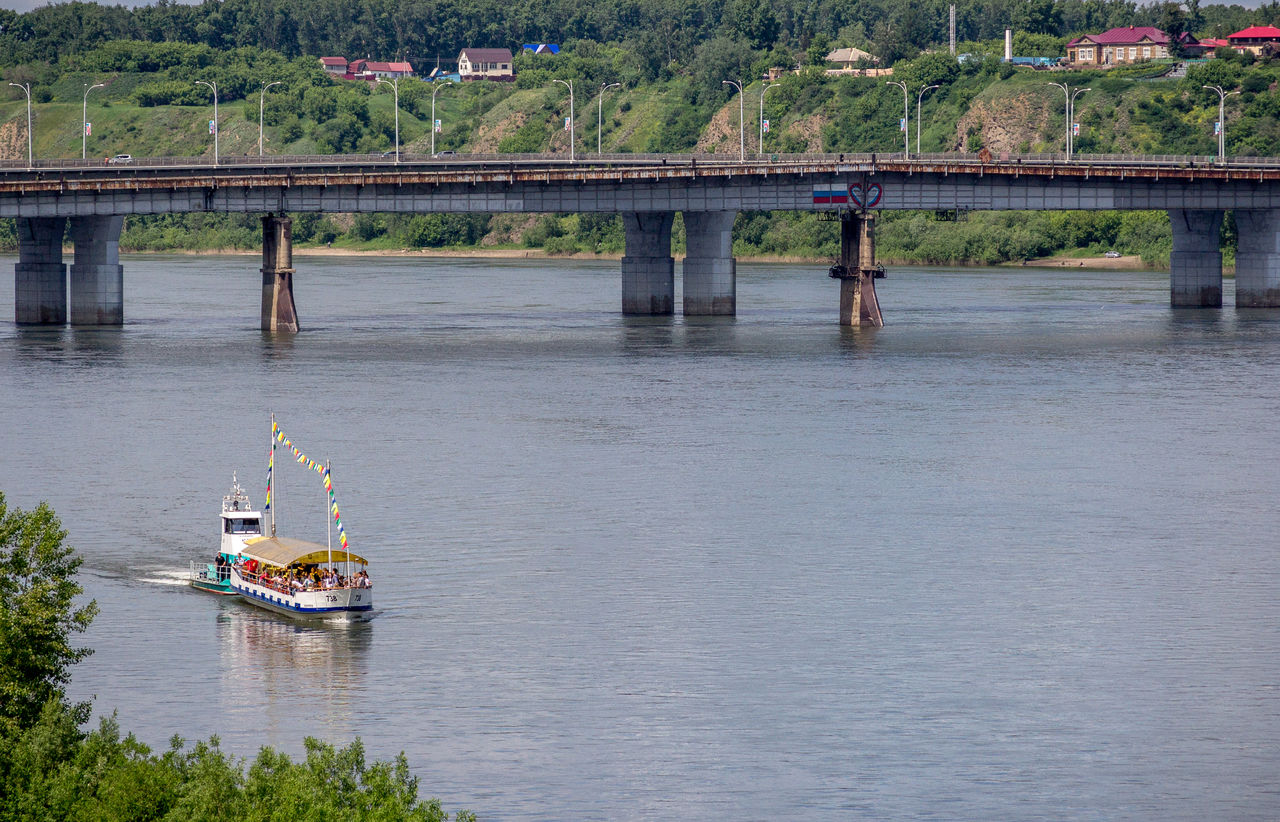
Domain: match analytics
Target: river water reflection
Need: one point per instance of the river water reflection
(1011, 557)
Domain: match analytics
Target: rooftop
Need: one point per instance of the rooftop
(1256, 33)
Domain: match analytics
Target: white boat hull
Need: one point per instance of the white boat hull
(318, 604)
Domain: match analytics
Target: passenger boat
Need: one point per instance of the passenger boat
(279, 574)
(302, 579)
(239, 523)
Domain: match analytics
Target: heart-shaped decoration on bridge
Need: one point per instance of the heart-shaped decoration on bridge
(865, 196)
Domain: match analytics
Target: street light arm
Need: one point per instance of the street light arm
(572, 126)
(906, 135)
(84, 118)
(763, 91)
(600, 114)
(26, 89)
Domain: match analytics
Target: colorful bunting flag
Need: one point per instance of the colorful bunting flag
(311, 465)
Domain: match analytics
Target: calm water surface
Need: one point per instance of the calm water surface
(1012, 557)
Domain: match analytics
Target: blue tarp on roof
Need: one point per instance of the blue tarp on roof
(541, 48)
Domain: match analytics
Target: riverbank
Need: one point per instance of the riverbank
(1131, 262)
(476, 252)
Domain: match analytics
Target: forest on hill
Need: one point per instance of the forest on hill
(671, 57)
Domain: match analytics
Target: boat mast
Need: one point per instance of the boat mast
(329, 514)
(272, 471)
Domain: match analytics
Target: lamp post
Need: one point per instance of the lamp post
(26, 88)
(1071, 98)
(569, 85)
(262, 99)
(1072, 117)
(84, 120)
(1221, 119)
(762, 91)
(600, 112)
(742, 138)
(394, 82)
(906, 135)
(920, 97)
(214, 86)
(435, 88)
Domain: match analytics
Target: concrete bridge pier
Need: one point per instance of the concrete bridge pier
(40, 277)
(648, 271)
(278, 311)
(1195, 264)
(710, 271)
(97, 278)
(857, 270)
(1258, 259)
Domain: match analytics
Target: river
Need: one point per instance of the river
(1013, 556)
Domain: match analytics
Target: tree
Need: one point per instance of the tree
(38, 615)
(1173, 22)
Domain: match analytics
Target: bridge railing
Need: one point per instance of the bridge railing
(594, 160)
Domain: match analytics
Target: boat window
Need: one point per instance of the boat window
(241, 526)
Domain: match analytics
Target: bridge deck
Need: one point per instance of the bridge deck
(188, 173)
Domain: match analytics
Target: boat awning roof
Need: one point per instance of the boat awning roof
(284, 551)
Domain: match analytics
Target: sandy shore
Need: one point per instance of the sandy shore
(1126, 263)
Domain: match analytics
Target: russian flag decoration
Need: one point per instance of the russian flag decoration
(832, 194)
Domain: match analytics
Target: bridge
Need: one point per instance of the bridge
(92, 200)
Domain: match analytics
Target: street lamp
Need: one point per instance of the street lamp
(762, 91)
(742, 137)
(1071, 99)
(569, 85)
(600, 112)
(395, 88)
(920, 97)
(436, 86)
(214, 86)
(1072, 129)
(1221, 119)
(26, 88)
(84, 119)
(906, 135)
(262, 99)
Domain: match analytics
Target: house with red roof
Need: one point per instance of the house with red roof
(334, 65)
(1126, 44)
(367, 70)
(1256, 39)
(371, 70)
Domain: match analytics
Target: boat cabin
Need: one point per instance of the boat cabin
(239, 521)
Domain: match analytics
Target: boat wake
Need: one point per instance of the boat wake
(166, 577)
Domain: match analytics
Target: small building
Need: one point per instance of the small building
(334, 65)
(1256, 40)
(1126, 44)
(541, 48)
(371, 70)
(850, 57)
(485, 64)
(1206, 46)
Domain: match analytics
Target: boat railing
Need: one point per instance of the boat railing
(266, 582)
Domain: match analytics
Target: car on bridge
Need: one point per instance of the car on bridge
(120, 160)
